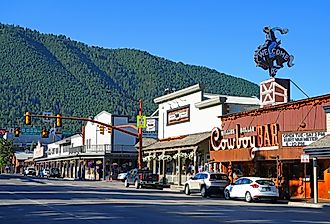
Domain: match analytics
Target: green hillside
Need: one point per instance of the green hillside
(45, 72)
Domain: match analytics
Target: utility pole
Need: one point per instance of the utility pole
(140, 139)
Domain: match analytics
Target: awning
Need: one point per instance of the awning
(319, 148)
(187, 142)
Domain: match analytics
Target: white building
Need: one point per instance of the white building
(96, 149)
(190, 111)
(186, 118)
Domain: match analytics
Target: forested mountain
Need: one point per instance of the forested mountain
(46, 72)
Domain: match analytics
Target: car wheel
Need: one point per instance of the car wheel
(203, 192)
(274, 200)
(187, 190)
(227, 195)
(126, 183)
(248, 197)
(137, 184)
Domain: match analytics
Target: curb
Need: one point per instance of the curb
(305, 205)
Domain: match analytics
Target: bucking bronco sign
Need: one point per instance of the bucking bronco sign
(271, 52)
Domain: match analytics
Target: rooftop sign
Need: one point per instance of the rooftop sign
(270, 56)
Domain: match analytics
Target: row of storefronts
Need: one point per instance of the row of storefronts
(240, 136)
(98, 153)
(269, 142)
(265, 138)
(186, 118)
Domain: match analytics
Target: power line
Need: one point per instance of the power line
(299, 88)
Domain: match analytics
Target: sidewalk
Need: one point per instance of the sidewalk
(294, 202)
(309, 203)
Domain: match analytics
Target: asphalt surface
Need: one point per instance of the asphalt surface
(32, 200)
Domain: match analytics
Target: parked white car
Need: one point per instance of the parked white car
(206, 183)
(252, 188)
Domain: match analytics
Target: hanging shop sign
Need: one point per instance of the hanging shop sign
(263, 136)
(300, 138)
(151, 125)
(151, 131)
(178, 115)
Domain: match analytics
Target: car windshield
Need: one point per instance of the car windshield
(218, 176)
(265, 182)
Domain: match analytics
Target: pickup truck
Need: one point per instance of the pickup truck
(142, 178)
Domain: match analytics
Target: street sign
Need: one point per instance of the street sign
(141, 121)
(304, 158)
(30, 131)
(47, 120)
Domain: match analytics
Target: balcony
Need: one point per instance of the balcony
(102, 149)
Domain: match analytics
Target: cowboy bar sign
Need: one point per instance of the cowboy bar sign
(270, 56)
(265, 136)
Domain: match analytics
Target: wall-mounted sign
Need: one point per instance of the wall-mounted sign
(304, 158)
(300, 138)
(271, 52)
(47, 120)
(264, 136)
(178, 115)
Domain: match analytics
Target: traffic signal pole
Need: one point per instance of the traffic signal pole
(90, 120)
(120, 128)
(140, 138)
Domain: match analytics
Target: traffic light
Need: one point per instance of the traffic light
(44, 133)
(226, 108)
(27, 118)
(58, 122)
(102, 130)
(17, 131)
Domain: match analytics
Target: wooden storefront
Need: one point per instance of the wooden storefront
(269, 142)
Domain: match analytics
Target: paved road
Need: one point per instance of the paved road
(30, 200)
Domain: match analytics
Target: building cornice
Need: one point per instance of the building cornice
(210, 102)
(177, 94)
(285, 106)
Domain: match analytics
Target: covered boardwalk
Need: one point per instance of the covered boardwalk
(178, 158)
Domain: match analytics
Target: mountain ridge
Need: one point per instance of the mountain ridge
(47, 72)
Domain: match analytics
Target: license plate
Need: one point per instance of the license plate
(266, 189)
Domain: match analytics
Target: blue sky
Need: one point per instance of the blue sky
(217, 34)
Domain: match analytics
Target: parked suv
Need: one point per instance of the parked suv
(206, 183)
(143, 178)
(54, 172)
